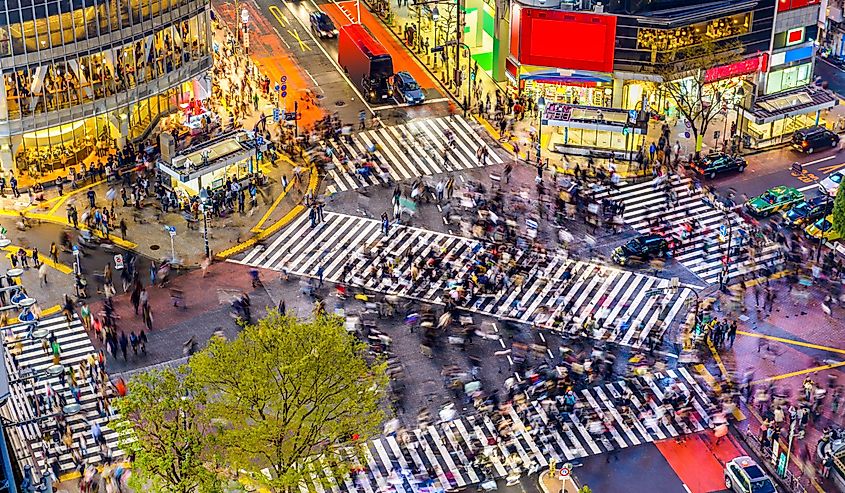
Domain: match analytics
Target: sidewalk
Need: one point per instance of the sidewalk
(145, 226)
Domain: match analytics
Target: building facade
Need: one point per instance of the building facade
(81, 77)
(602, 57)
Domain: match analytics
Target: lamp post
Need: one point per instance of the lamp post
(825, 228)
(203, 206)
(740, 95)
(541, 105)
(435, 16)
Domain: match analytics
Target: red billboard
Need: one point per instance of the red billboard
(784, 5)
(566, 40)
(759, 63)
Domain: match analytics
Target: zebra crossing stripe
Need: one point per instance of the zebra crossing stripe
(27, 439)
(344, 244)
(643, 203)
(408, 151)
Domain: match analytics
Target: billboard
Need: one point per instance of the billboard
(560, 39)
(785, 5)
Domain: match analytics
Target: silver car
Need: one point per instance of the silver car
(743, 475)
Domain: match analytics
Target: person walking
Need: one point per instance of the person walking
(122, 226)
(42, 275)
(54, 252)
(124, 344)
(385, 223)
(732, 333)
(36, 258)
(148, 316)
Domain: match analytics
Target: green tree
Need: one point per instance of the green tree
(290, 394)
(163, 424)
(683, 72)
(839, 211)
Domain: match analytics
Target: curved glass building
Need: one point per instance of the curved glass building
(81, 77)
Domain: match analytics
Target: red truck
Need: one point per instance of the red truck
(366, 62)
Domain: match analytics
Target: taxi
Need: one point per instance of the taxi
(774, 200)
(823, 229)
(743, 475)
(807, 212)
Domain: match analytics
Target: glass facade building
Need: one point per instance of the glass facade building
(81, 77)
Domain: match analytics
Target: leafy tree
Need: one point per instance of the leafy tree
(839, 211)
(291, 394)
(683, 72)
(163, 425)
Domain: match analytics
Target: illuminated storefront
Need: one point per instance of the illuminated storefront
(80, 81)
(588, 130)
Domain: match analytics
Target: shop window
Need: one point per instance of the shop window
(660, 40)
(788, 78)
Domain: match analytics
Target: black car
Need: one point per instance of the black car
(812, 138)
(322, 25)
(717, 163)
(641, 249)
(807, 212)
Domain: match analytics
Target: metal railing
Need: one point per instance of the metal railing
(788, 480)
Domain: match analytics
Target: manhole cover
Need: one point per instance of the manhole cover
(154, 247)
(340, 103)
(320, 96)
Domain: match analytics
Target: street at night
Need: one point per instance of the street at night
(422, 246)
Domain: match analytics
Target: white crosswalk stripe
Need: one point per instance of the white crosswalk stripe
(408, 151)
(645, 206)
(22, 407)
(539, 431)
(629, 306)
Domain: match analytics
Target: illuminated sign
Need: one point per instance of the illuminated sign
(784, 5)
(546, 38)
(795, 36)
(743, 67)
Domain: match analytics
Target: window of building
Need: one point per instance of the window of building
(659, 40)
(788, 78)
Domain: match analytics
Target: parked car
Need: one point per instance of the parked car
(830, 185)
(718, 163)
(322, 25)
(823, 229)
(813, 138)
(774, 200)
(407, 88)
(807, 211)
(641, 249)
(743, 475)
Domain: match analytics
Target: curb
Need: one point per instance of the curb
(63, 222)
(313, 183)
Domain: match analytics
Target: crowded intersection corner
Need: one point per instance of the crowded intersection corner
(422, 246)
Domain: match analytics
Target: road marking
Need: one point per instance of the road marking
(302, 45)
(686, 488)
(808, 187)
(711, 381)
(820, 160)
(799, 372)
(332, 60)
(792, 342)
(831, 168)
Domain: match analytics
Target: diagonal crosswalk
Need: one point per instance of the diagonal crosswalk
(645, 205)
(627, 307)
(408, 151)
(471, 449)
(21, 408)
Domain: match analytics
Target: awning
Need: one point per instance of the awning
(798, 101)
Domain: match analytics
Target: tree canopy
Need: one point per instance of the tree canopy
(163, 425)
(839, 211)
(683, 72)
(290, 394)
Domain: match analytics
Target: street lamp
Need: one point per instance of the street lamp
(203, 207)
(541, 105)
(435, 16)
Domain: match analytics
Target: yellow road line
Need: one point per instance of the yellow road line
(257, 228)
(711, 381)
(64, 269)
(284, 221)
(792, 342)
(798, 373)
(761, 280)
(49, 311)
(718, 358)
(64, 222)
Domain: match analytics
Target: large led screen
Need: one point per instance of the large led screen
(566, 40)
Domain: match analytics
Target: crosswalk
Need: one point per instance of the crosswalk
(26, 435)
(470, 449)
(644, 205)
(627, 307)
(408, 151)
